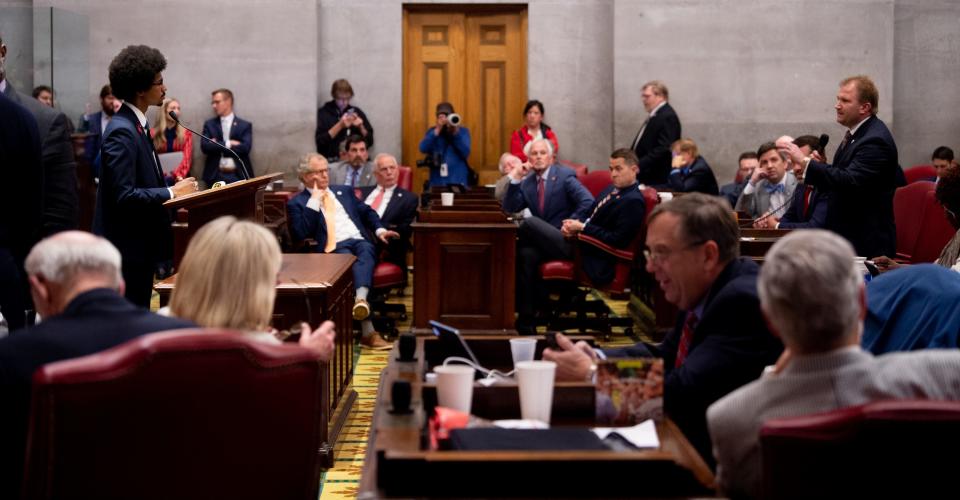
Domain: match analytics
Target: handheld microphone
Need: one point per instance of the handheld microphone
(243, 166)
(822, 145)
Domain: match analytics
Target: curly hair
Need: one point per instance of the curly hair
(134, 69)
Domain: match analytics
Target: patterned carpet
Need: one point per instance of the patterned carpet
(342, 481)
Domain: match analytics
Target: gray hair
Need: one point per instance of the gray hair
(529, 145)
(304, 166)
(376, 159)
(503, 160)
(809, 289)
(704, 218)
(62, 256)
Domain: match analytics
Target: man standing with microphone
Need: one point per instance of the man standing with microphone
(130, 197)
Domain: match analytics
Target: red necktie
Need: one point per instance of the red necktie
(541, 188)
(806, 200)
(688, 326)
(378, 200)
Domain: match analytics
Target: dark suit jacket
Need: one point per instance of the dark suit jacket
(397, 216)
(565, 197)
(616, 223)
(731, 346)
(308, 223)
(242, 131)
(861, 183)
(698, 178)
(61, 203)
(93, 321)
(653, 149)
(130, 197)
(731, 192)
(814, 217)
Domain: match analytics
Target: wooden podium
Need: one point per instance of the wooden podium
(241, 199)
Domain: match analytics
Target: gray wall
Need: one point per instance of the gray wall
(739, 73)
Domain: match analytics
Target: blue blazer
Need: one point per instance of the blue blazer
(307, 223)
(565, 197)
(129, 210)
(93, 321)
(242, 131)
(616, 223)
(697, 178)
(814, 217)
(731, 345)
(861, 183)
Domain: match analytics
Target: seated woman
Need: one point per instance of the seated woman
(228, 278)
(534, 128)
(690, 171)
(169, 138)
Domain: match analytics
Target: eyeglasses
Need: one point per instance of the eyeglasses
(661, 254)
(160, 82)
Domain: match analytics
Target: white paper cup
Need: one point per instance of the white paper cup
(522, 349)
(535, 379)
(446, 199)
(665, 196)
(455, 386)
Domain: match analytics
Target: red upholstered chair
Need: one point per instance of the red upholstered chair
(935, 231)
(887, 449)
(595, 181)
(190, 414)
(920, 173)
(579, 168)
(569, 274)
(909, 205)
(405, 178)
(387, 277)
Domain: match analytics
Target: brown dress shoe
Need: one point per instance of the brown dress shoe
(361, 310)
(376, 342)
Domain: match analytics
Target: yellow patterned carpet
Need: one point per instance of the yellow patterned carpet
(342, 481)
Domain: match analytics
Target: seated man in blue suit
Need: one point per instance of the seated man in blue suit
(552, 193)
(340, 223)
(129, 210)
(808, 209)
(615, 217)
(231, 132)
(76, 286)
(720, 341)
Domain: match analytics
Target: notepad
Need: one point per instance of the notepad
(642, 435)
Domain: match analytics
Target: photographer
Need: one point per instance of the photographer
(447, 146)
(338, 119)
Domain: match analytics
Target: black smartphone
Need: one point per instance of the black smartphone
(551, 338)
(874, 271)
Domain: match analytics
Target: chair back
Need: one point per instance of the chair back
(595, 181)
(909, 205)
(405, 178)
(629, 258)
(199, 413)
(886, 449)
(935, 231)
(579, 168)
(920, 173)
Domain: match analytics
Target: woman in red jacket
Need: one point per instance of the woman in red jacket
(168, 137)
(534, 128)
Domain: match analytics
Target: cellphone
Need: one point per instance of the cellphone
(551, 338)
(872, 267)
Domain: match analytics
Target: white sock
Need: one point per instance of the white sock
(362, 293)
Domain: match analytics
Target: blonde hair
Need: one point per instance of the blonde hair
(160, 126)
(686, 145)
(228, 276)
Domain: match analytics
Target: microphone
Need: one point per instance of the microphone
(822, 145)
(243, 166)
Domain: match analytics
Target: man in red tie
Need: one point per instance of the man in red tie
(720, 341)
(396, 206)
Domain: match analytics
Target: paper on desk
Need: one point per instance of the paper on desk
(520, 424)
(642, 435)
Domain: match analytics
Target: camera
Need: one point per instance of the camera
(429, 161)
(454, 119)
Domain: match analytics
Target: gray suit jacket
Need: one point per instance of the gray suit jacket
(338, 174)
(813, 384)
(61, 205)
(758, 202)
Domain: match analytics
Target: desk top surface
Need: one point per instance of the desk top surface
(300, 270)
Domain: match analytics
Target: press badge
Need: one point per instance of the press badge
(443, 170)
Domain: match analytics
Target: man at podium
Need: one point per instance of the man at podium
(129, 210)
(340, 223)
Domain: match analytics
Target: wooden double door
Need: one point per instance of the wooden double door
(474, 57)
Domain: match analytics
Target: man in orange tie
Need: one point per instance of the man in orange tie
(720, 340)
(340, 223)
(396, 206)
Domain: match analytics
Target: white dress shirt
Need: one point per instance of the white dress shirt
(343, 226)
(387, 194)
(226, 123)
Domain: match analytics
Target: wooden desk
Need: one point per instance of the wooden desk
(313, 288)
(397, 465)
(464, 270)
(756, 242)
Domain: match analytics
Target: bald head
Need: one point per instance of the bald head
(386, 170)
(67, 264)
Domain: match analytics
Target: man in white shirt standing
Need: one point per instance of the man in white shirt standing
(231, 132)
